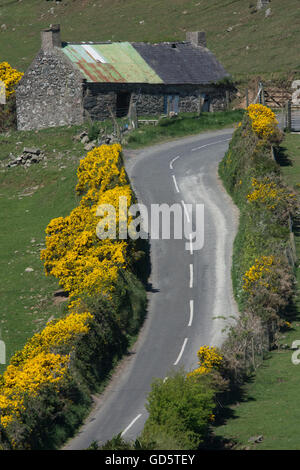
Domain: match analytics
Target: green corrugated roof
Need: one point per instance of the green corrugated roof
(111, 62)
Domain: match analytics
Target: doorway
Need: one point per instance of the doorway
(122, 105)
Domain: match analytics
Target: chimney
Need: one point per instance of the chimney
(51, 37)
(197, 38)
(262, 4)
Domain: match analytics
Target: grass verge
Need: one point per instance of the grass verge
(268, 404)
(183, 125)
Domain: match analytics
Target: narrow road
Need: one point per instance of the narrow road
(189, 287)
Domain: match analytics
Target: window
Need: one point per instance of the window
(171, 103)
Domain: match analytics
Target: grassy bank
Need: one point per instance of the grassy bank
(235, 30)
(181, 126)
(267, 404)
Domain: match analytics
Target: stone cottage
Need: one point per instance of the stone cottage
(67, 82)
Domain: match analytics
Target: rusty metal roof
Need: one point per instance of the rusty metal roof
(117, 62)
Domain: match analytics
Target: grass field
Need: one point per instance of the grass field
(269, 405)
(29, 198)
(244, 40)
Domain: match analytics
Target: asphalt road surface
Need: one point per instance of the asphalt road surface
(189, 286)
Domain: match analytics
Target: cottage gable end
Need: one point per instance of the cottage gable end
(50, 92)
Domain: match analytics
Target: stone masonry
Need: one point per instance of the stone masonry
(50, 94)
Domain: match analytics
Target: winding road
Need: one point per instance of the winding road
(189, 287)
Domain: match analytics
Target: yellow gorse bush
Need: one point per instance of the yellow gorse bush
(84, 264)
(27, 380)
(269, 193)
(40, 364)
(99, 168)
(263, 120)
(74, 254)
(10, 77)
(257, 272)
(57, 335)
(209, 358)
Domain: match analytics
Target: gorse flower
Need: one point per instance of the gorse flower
(74, 254)
(44, 360)
(10, 77)
(209, 359)
(28, 379)
(263, 120)
(272, 195)
(256, 274)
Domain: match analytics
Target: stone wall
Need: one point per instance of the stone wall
(50, 93)
(189, 103)
(149, 99)
(96, 102)
(148, 105)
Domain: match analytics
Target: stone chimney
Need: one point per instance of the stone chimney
(197, 38)
(51, 37)
(262, 4)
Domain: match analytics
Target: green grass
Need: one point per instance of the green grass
(184, 124)
(29, 199)
(254, 46)
(269, 404)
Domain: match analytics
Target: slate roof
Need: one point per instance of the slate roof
(182, 63)
(164, 63)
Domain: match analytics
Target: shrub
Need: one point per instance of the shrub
(74, 254)
(244, 348)
(180, 411)
(51, 379)
(10, 77)
(263, 279)
(209, 359)
(263, 120)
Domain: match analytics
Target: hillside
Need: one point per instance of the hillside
(243, 39)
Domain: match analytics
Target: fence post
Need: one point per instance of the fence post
(200, 104)
(168, 106)
(227, 99)
(132, 115)
(289, 116)
(261, 93)
(253, 353)
(116, 125)
(273, 156)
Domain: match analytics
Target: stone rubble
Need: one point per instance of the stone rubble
(27, 158)
(90, 144)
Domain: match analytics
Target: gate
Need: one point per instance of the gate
(291, 117)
